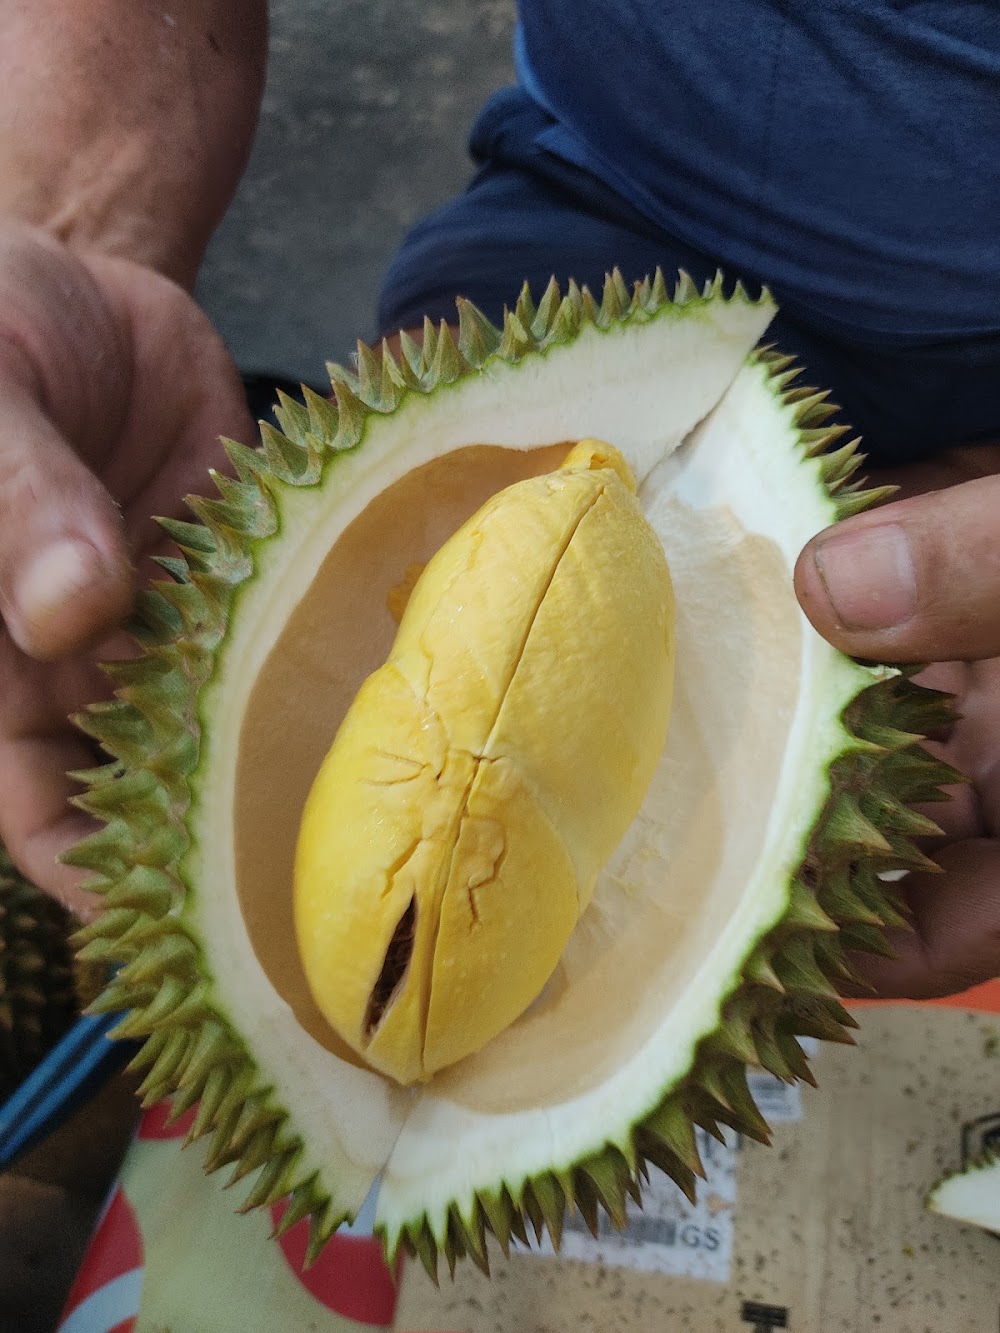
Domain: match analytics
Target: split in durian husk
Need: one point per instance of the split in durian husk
(717, 931)
(971, 1195)
(41, 987)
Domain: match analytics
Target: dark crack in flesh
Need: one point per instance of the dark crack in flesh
(397, 960)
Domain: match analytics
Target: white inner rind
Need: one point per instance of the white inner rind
(736, 496)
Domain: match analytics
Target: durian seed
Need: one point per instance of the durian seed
(397, 960)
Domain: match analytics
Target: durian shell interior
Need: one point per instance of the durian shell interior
(679, 874)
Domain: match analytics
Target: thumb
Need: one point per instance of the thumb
(914, 581)
(65, 576)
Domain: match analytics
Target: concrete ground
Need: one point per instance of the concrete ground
(363, 130)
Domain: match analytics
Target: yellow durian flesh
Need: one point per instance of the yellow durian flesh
(486, 772)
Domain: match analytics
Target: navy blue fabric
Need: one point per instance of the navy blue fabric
(886, 261)
(846, 151)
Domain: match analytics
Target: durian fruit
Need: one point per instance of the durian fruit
(39, 991)
(971, 1195)
(456, 829)
(716, 932)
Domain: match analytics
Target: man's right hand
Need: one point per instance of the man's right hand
(114, 391)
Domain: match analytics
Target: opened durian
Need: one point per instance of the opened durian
(717, 876)
(971, 1195)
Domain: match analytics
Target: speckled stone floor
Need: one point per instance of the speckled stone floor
(363, 130)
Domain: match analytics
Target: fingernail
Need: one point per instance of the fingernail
(869, 577)
(50, 582)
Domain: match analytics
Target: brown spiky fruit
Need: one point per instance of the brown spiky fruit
(42, 987)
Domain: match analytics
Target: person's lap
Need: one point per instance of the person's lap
(520, 223)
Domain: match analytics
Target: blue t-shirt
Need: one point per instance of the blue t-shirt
(845, 151)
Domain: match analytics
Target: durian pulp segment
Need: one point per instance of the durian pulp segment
(486, 772)
(972, 1195)
(314, 622)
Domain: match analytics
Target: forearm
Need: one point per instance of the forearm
(125, 124)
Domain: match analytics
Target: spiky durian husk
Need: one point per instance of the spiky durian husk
(40, 985)
(988, 1164)
(193, 1054)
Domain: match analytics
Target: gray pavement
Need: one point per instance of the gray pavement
(364, 128)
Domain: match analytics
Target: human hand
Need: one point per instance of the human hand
(918, 580)
(114, 390)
